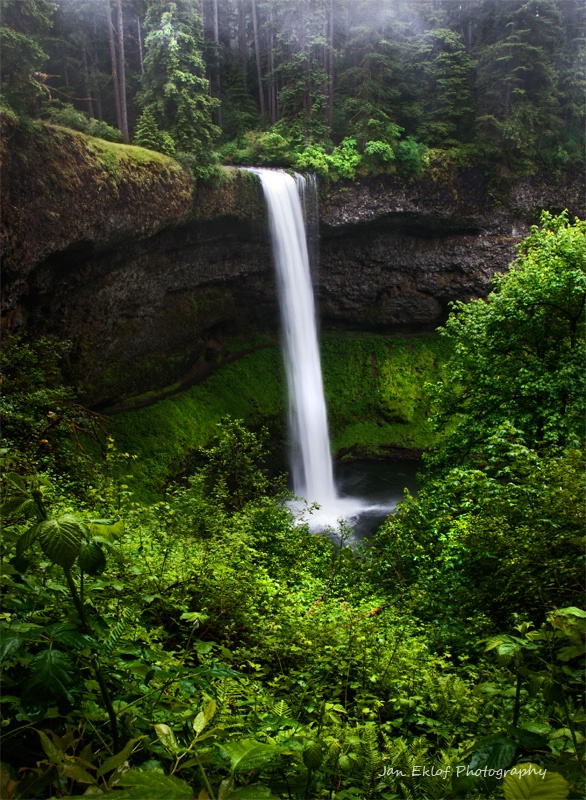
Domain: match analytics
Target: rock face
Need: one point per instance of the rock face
(114, 248)
(395, 253)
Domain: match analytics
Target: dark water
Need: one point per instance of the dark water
(380, 484)
(367, 492)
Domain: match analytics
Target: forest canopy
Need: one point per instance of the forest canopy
(334, 86)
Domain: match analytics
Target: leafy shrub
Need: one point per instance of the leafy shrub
(518, 355)
(345, 159)
(377, 155)
(313, 158)
(65, 114)
(493, 540)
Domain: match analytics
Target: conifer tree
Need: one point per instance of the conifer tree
(23, 55)
(149, 135)
(174, 89)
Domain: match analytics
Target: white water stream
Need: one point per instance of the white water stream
(313, 477)
(311, 462)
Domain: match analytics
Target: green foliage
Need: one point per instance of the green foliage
(175, 92)
(232, 473)
(244, 655)
(518, 112)
(345, 159)
(60, 113)
(42, 423)
(411, 156)
(314, 158)
(262, 148)
(24, 22)
(338, 163)
(495, 539)
(447, 72)
(518, 355)
(147, 134)
(527, 782)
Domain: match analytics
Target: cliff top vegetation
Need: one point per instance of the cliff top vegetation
(338, 88)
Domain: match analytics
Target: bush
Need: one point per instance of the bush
(411, 156)
(345, 159)
(377, 155)
(313, 158)
(66, 114)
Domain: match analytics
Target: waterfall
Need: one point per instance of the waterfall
(310, 446)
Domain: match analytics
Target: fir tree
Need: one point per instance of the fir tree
(149, 135)
(174, 88)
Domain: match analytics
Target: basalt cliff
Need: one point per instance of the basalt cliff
(153, 276)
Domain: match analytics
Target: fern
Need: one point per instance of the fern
(370, 755)
(281, 709)
(116, 633)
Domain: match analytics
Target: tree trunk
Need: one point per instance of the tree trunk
(271, 65)
(122, 73)
(139, 38)
(261, 95)
(242, 48)
(113, 63)
(84, 64)
(95, 64)
(217, 82)
(330, 64)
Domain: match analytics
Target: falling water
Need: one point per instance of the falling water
(311, 462)
(311, 459)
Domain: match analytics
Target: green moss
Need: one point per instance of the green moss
(165, 433)
(374, 389)
(113, 153)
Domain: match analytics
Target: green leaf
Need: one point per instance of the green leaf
(115, 761)
(530, 782)
(152, 784)
(204, 716)
(27, 539)
(573, 612)
(76, 773)
(109, 529)
(68, 635)
(91, 558)
(52, 675)
(529, 739)
(53, 753)
(10, 643)
(313, 755)
(18, 506)
(61, 539)
(253, 792)
(17, 481)
(496, 753)
(249, 754)
(570, 652)
(167, 738)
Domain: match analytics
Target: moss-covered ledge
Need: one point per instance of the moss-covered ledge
(62, 189)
